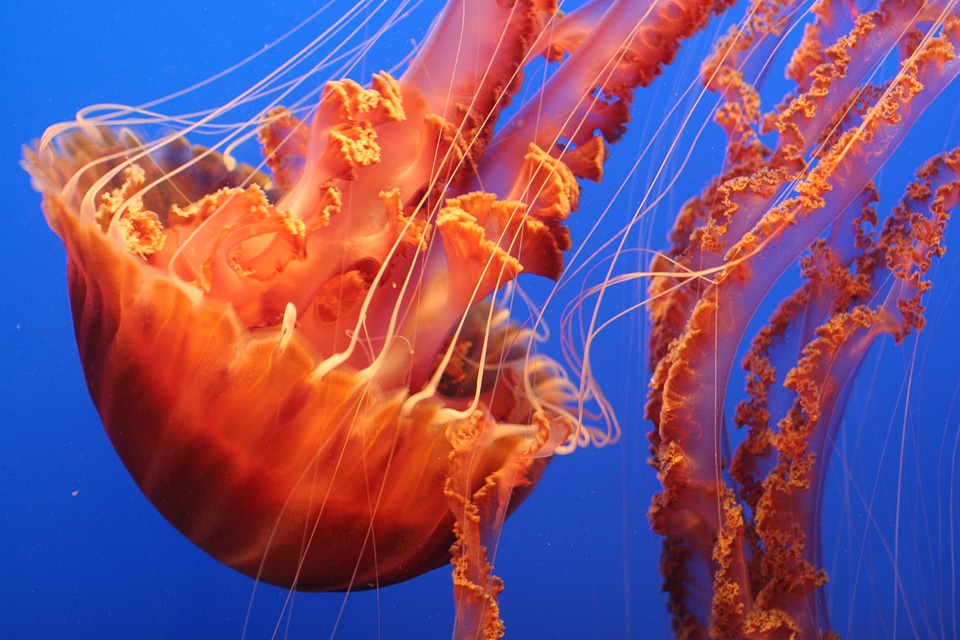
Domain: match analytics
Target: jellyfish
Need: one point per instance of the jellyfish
(308, 366)
(314, 368)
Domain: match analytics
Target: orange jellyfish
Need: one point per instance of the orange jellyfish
(309, 367)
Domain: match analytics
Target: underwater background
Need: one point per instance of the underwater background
(84, 555)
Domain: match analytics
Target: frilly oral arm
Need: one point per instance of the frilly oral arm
(690, 383)
(613, 48)
(832, 87)
(445, 72)
(827, 190)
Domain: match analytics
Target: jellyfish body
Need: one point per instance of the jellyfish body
(273, 371)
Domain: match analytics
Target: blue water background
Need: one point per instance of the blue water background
(84, 555)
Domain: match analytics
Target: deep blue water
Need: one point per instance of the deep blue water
(84, 555)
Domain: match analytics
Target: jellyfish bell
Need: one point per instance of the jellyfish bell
(284, 376)
(244, 442)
